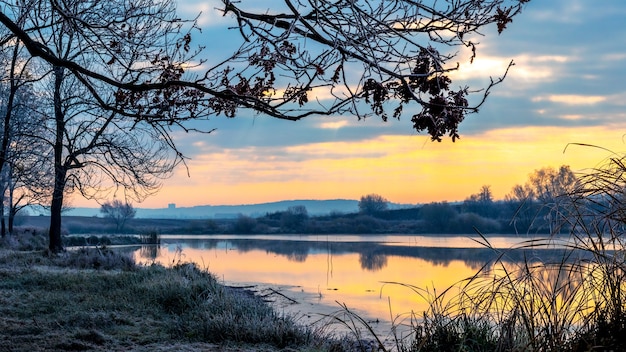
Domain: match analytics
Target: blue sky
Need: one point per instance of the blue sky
(566, 87)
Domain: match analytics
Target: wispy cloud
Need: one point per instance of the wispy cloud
(333, 125)
(572, 99)
(402, 168)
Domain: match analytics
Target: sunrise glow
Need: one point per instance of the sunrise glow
(404, 169)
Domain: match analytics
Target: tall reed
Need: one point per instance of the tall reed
(574, 303)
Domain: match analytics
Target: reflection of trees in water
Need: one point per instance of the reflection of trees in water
(149, 251)
(295, 253)
(196, 243)
(372, 261)
(297, 257)
(293, 250)
(373, 256)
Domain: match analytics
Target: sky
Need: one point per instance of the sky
(567, 86)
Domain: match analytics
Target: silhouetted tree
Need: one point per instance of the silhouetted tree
(372, 204)
(481, 203)
(21, 149)
(119, 212)
(383, 53)
(548, 184)
(522, 207)
(295, 218)
(438, 216)
(244, 224)
(386, 54)
(545, 196)
(102, 137)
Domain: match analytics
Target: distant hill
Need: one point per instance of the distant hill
(314, 208)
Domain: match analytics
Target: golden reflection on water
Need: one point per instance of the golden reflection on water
(328, 278)
(383, 282)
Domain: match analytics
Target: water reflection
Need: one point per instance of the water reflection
(149, 251)
(373, 256)
(322, 272)
(372, 261)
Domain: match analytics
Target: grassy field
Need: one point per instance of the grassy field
(97, 299)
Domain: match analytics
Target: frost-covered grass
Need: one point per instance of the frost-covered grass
(99, 299)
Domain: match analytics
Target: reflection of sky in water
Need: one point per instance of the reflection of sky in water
(331, 269)
(338, 277)
(438, 241)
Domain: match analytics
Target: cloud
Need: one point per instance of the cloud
(566, 87)
(406, 169)
(334, 125)
(612, 57)
(526, 68)
(572, 117)
(208, 12)
(572, 99)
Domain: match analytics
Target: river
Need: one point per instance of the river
(380, 278)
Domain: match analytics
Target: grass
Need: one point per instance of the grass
(98, 299)
(575, 303)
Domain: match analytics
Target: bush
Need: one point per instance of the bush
(467, 222)
(80, 241)
(26, 239)
(95, 258)
(244, 225)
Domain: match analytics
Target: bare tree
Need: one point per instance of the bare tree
(358, 58)
(294, 218)
(481, 203)
(544, 199)
(372, 204)
(548, 184)
(129, 60)
(523, 206)
(97, 153)
(119, 212)
(102, 139)
(27, 173)
(385, 54)
(21, 155)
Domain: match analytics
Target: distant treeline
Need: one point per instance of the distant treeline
(538, 207)
(501, 217)
(497, 217)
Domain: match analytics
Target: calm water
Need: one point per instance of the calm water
(319, 271)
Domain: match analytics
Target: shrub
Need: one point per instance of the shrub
(467, 222)
(26, 239)
(95, 258)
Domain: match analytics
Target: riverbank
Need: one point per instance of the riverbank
(98, 299)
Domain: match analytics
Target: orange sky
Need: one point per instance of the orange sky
(404, 169)
(566, 87)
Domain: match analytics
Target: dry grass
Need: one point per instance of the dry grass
(68, 302)
(575, 303)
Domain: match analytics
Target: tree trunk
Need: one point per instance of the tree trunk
(3, 230)
(11, 220)
(60, 171)
(6, 133)
(55, 244)
(4, 179)
(11, 189)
